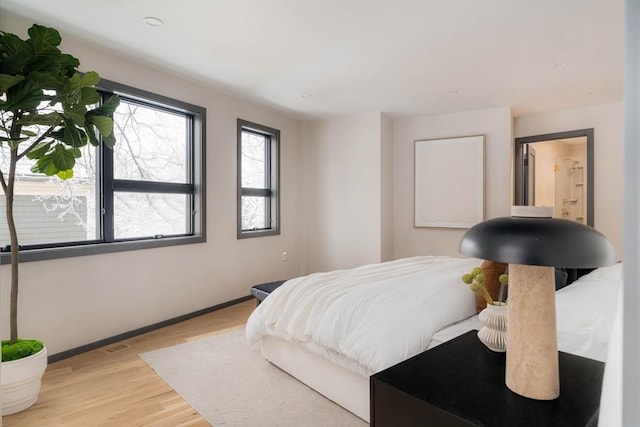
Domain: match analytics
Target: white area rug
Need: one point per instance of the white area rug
(230, 384)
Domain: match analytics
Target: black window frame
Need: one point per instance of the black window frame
(107, 185)
(272, 175)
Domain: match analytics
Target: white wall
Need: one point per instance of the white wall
(386, 187)
(344, 196)
(607, 121)
(347, 199)
(75, 301)
(495, 124)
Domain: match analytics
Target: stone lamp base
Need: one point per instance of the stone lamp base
(532, 342)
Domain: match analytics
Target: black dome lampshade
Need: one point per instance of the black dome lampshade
(533, 243)
(538, 241)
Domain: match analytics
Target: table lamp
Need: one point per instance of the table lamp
(533, 244)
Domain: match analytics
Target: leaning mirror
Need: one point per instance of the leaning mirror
(556, 170)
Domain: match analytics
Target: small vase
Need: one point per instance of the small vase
(494, 332)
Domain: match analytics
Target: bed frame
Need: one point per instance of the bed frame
(338, 384)
(347, 389)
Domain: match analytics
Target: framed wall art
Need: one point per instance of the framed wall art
(449, 182)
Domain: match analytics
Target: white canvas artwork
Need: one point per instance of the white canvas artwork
(449, 182)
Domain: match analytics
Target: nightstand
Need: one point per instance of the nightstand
(461, 383)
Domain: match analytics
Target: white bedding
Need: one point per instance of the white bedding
(585, 311)
(370, 317)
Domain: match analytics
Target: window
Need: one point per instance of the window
(258, 176)
(146, 192)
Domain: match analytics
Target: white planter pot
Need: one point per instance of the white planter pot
(493, 333)
(21, 380)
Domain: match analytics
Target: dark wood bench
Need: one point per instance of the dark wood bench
(263, 290)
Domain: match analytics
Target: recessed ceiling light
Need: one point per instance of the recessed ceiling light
(152, 21)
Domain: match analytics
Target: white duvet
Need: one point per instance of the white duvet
(374, 316)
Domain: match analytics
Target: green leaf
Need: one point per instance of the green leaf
(16, 53)
(49, 81)
(69, 63)
(109, 140)
(60, 159)
(68, 174)
(75, 82)
(63, 158)
(49, 119)
(73, 136)
(76, 114)
(90, 78)
(103, 123)
(28, 133)
(39, 151)
(88, 96)
(58, 134)
(107, 108)
(91, 133)
(46, 61)
(43, 38)
(7, 81)
(25, 96)
(44, 165)
(63, 91)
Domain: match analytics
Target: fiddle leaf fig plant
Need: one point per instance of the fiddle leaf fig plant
(48, 111)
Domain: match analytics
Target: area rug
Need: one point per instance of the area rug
(229, 383)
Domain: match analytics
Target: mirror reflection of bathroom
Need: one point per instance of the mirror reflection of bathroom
(556, 170)
(555, 174)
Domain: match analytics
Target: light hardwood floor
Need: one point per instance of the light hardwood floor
(112, 386)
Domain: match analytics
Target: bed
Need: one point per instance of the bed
(333, 330)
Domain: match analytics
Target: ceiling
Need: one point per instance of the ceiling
(320, 58)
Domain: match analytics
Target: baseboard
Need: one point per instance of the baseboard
(126, 335)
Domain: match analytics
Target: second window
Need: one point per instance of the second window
(258, 180)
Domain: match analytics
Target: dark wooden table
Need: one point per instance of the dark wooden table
(461, 383)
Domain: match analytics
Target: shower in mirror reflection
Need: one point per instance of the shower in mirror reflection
(570, 190)
(556, 170)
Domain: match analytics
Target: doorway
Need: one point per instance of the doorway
(556, 170)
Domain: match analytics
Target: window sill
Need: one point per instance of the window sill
(99, 248)
(258, 233)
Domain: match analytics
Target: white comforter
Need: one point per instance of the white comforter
(375, 315)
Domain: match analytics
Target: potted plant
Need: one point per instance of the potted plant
(48, 112)
(493, 333)
(476, 281)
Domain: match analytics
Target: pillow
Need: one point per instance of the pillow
(491, 271)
